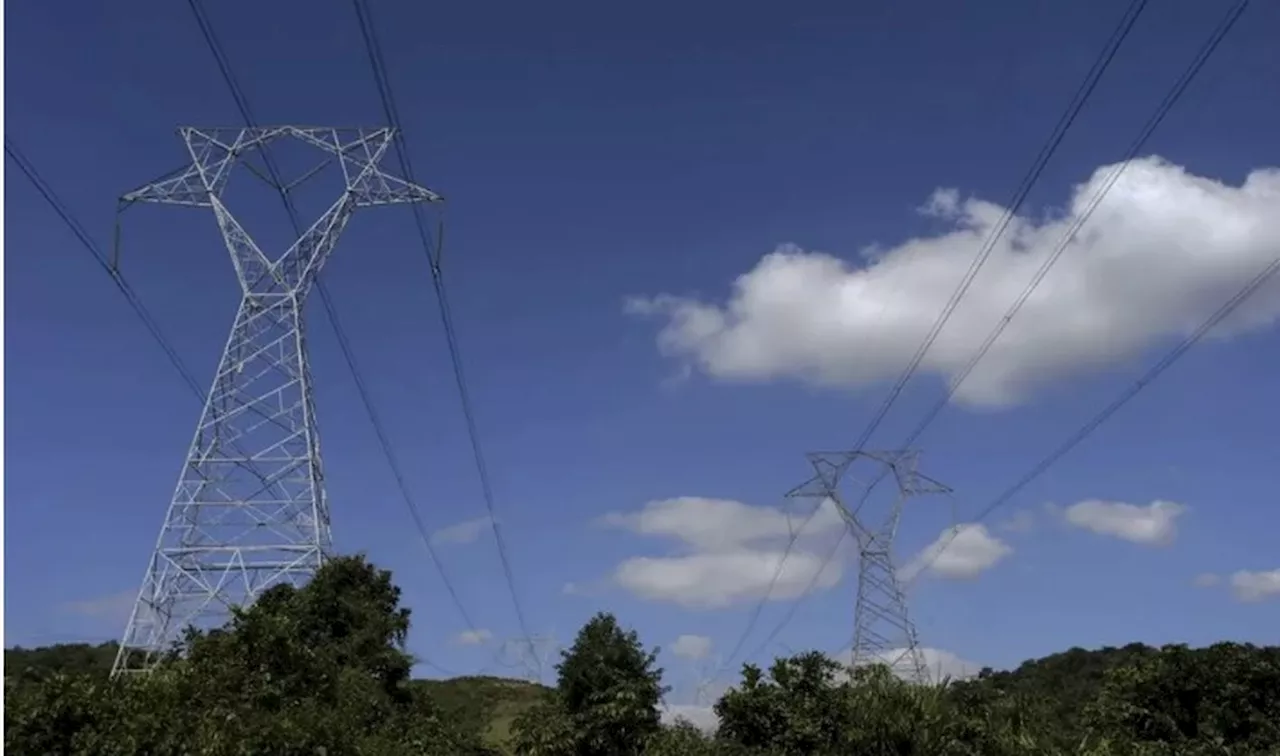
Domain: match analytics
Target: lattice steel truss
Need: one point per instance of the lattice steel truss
(249, 510)
(882, 630)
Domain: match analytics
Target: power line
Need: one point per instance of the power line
(1184, 80)
(1222, 313)
(1170, 99)
(348, 354)
(1065, 121)
(378, 65)
(135, 302)
(1068, 117)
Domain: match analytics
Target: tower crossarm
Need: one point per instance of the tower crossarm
(213, 154)
(359, 157)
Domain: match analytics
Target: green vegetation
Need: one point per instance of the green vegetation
(485, 705)
(322, 670)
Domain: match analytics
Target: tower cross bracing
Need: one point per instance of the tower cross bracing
(249, 510)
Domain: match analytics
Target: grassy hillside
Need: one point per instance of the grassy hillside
(485, 704)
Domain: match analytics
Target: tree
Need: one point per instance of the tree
(321, 669)
(1221, 699)
(65, 658)
(680, 739)
(809, 704)
(607, 697)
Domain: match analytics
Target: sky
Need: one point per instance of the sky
(686, 244)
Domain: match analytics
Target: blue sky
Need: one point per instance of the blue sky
(595, 156)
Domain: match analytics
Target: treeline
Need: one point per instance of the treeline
(322, 670)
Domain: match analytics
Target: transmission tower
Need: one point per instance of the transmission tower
(882, 630)
(531, 654)
(249, 510)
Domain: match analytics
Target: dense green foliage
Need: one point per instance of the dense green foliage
(484, 705)
(322, 670)
(316, 670)
(65, 658)
(606, 701)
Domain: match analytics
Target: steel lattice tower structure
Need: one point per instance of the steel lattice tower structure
(882, 629)
(249, 510)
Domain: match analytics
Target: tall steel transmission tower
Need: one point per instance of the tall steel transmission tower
(882, 630)
(249, 510)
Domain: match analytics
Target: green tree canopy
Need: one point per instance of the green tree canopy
(321, 669)
(608, 696)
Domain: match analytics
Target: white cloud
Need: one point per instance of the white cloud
(1162, 251)
(732, 552)
(1153, 524)
(719, 579)
(692, 646)
(720, 524)
(960, 552)
(466, 531)
(473, 637)
(1255, 586)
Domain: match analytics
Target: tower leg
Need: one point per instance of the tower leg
(249, 509)
(882, 631)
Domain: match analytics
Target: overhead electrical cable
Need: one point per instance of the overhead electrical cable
(348, 353)
(386, 95)
(1174, 94)
(122, 284)
(1152, 373)
(1065, 121)
(1202, 56)
(135, 302)
(1068, 117)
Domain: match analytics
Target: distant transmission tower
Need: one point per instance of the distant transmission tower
(532, 655)
(882, 630)
(249, 510)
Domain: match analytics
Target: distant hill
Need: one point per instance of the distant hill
(65, 658)
(487, 705)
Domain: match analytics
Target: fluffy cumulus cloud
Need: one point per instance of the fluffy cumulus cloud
(720, 524)
(731, 552)
(1161, 252)
(1153, 524)
(1250, 586)
(715, 581)
(691, 646)
(466, 531)
(960, 552)
(476, 637)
